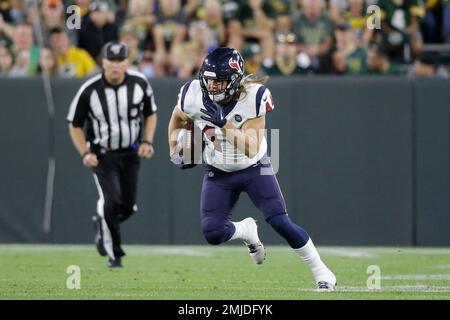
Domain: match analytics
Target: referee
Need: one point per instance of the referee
(117, 108)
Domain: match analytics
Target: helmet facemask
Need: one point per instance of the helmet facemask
(223, 95)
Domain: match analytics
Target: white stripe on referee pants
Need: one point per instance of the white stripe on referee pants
(107, 239)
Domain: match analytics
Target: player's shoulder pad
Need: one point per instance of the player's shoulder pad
(187, 95)
(262, 98)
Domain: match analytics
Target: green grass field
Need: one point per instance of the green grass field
(224, 272)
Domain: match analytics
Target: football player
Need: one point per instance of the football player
(230, 110)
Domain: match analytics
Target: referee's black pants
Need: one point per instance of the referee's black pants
(116, 178)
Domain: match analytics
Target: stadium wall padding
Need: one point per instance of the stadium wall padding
(362, 161)
(432, 162)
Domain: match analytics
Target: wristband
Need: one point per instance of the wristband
(147, 142)
(85, 154)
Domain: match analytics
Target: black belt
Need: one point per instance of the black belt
(103, 150)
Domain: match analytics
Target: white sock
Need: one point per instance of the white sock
(243, 232)
(311, 257)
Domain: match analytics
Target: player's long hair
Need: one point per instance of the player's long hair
(249, 79)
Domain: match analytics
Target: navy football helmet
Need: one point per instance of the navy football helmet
(222, 64)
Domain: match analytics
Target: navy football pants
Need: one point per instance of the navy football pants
(221, 191)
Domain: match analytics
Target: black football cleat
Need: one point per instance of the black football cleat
(98, 236)
(115, 263)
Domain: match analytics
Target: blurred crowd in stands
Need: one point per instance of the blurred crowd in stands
(170, 38)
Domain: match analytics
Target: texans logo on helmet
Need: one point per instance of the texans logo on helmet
(235, 65)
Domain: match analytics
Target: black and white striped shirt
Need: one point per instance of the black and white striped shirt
(113, 113)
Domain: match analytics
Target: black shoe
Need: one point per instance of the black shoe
(98, 236)
(115, 263)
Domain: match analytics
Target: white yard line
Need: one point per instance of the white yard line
(174, 250)
(344, 251)
(348, 252)
(403, 288)
(439, 277)
(134, 249)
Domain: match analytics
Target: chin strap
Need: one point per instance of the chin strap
(213, 97)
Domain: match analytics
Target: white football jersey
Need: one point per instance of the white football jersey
(219, 152)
